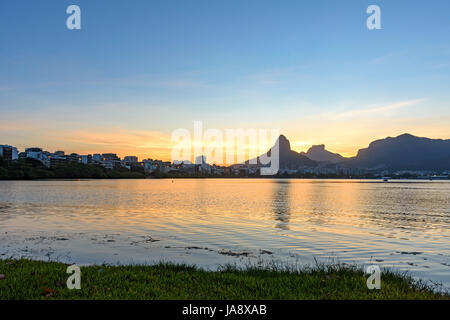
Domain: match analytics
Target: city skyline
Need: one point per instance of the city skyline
(319, 150)
(247, 148)
(404, 156)
(134, 74)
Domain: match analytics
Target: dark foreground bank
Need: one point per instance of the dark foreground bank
(30, 169)
(25, 279)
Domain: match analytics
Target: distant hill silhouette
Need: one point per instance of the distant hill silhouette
(406, 152)
(320, 154)
(288, 157)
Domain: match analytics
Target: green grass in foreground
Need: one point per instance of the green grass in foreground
(25, 279)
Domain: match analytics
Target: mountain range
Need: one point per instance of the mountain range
(288, 158)
(404, 152)
(319, 154)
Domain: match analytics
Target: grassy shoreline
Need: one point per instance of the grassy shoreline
(36, 280)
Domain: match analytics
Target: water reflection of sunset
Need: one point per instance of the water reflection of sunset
(183, 219)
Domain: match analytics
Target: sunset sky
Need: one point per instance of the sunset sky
(140, 69)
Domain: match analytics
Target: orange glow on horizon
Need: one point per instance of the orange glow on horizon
(336, 137)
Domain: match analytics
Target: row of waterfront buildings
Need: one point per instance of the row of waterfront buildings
(149, 166)
(49, 159)
(110, 161)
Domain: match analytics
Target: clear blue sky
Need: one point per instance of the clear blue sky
(139, 69)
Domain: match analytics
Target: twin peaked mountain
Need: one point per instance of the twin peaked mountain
(405, 152)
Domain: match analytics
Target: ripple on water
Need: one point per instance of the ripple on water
(405, 224)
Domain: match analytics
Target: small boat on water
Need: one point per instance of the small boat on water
(386, 179)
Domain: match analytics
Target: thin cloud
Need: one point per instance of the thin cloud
(441, 66)
(276, 75)
(386, 58)
(378, 110)
(4, 89)
(121, 137)
(178, 82)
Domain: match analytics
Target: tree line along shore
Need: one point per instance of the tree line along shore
(30, 169)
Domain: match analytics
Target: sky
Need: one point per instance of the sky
(138, 70)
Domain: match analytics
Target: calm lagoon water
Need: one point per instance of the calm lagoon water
(403, 225)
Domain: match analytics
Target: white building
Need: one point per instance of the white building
(34, 153)
(9, 152)
(98, 158)
(86, 159)
(131, 159)
(151, 165)
(203, 167)
(200, 160)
